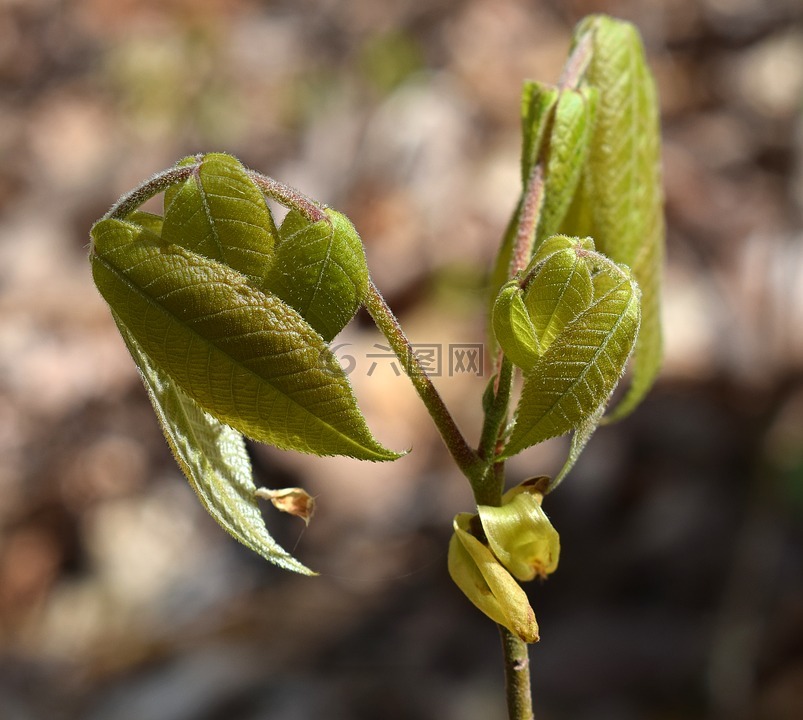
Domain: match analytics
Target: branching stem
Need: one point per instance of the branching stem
(469, 462)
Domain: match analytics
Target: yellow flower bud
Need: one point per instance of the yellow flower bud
(487, 584)
(519, 532)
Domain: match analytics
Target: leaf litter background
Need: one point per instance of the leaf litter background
(680, 592)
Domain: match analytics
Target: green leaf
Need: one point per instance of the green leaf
(559, 291)
(513, 328)
(568, 148)
(219, 213)
(149, 221)
(649, 347)
(624, 161)
(556, 243)
(621, 202)
(538, 102)
(320, 270)
(580, 369)
(213, 458)
(580, 438)
(243, 355)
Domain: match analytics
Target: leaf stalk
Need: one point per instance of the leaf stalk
(131, 200)
(469, 462)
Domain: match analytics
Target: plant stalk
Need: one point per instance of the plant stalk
(578, 61)
(517, 676)
(515, 651)
(469, 462)
(288, 196)
(529, 215)
(148, 189)
(497, 413)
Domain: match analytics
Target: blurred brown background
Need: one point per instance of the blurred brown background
(680, 592)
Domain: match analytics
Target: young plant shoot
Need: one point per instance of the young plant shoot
(229, 318)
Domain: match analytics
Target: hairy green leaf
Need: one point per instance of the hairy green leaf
(320, 270)
(513, 328)
(620, 202)
(149, 221)
(213, 458)
(559, 291)
(243, 355)
(556, 243)
(624, 162)
(568, 148)
(538, 102)
(580, 369)
(219, 212)
(582, 434)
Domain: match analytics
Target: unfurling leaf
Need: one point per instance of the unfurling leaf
(220, 214)
(538, 101)
(242, 354)
(567, 152)
(580, 369)
(320, 270)
(513, 327)
(488, 585)
(213, 458)
(219, 351)
(559, 291)
(556, 243)
(620, 201)
(556, 129)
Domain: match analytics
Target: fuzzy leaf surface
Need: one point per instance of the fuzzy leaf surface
(560, 290)
(320, 270)
(513, 329)
(538, 101)
(243, 355)
(213, 458)
(624, 159)
(579, 370)
(620, 202)
(219, 213)
(568, 147)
